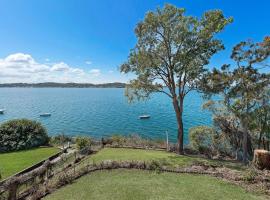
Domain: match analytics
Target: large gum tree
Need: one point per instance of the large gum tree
(170, 55)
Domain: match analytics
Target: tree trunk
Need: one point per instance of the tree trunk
(260, 140)
(261, 159)
(180, 136)
(245, 143)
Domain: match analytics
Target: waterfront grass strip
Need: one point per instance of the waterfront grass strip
(136, 184)
(166, 158)
(14, 162)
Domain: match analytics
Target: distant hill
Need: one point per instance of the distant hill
(64, 85)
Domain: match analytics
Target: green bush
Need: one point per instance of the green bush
(22, 134)
(250, 174)
(60, 139)
(83, 142)
(133, 140)
(118, 140)
(202, 139)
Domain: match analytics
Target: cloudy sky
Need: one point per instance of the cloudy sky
(87, 40)
(21, 67)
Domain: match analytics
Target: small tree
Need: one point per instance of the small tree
(261, 122)
(243, 87)
(170, 55)
(83, 142)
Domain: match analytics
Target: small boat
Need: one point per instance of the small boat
(144, 116)
(2, 111)
(45, 115)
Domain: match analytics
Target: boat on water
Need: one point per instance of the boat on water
(144, 116)
(45, 115)
(2, 111)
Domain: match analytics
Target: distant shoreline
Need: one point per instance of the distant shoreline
(62, 85)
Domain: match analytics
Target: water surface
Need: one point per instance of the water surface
(99, 112)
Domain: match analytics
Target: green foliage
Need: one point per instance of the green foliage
(171, 53)
(260, 124)
(134, 140)
(60, 139)
(172, 46)
(22, 134)
(83, 142)
(118, 140)
(242, 87)
(202, 138)
(250, 174)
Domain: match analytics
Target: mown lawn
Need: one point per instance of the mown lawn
(169, 159)
(11, 163)
(141, 185)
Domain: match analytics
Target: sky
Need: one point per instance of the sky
(87, 40)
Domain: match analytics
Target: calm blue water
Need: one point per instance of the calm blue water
(99, 112)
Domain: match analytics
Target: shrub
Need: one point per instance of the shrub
(202, 139)
(250, 174)
(22, 134)
(60, 139)
(118, 140)
(133, 140)
(83, 142)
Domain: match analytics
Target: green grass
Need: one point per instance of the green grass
(170, 159)
(11, 163)
(141, 185)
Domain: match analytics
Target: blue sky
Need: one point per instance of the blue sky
(86, 40)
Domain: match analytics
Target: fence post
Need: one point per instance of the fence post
(12, 195)
(167, 141)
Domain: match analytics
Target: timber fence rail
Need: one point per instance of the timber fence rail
(33, 167)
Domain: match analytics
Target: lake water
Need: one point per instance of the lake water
(100, 112)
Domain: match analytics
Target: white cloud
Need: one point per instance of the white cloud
(20, 67)
(60, 67)
(19, 58)
(110, 71)
(95, 72)
(88, 62)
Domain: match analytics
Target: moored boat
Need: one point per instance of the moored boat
(2, 111)
(45, 115)
(144, 116)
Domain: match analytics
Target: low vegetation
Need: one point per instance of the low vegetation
(21, 134)
(83, 142)
(132, 140)
(207, 141)
(11, 163)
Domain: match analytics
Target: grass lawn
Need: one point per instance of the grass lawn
(141, 185)
(170, 159)
(11, 163)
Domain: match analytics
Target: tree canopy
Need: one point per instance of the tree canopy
(171, 53)
(243, 87)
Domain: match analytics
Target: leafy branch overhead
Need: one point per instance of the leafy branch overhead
(172, 50)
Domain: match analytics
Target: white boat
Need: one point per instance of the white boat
(2, 111)
(144, 116)
(45, 115)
